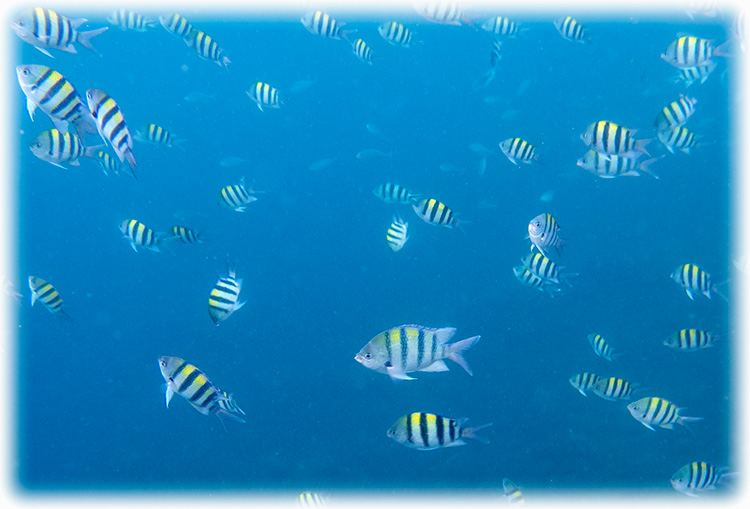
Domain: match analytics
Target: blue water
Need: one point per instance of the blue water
(320, 280)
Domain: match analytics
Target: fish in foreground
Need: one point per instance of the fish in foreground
(426, 432)
(320, 23)
(691, 51)
(699, 476)
(396, 236)
(543, 233)
(652, 411)
(517, 149)
(571, 29)
(130, 20)
(512, 492)
(264, 94)
(613, 388)
(395, 33)
(528, 278)
(46, 29)
(206, 47)
(45, 293)
(311, 499)
(434, 212)
(236, 196)
(409, 348)
(362, 51)
(690, 340)
(611, 165)
(190, 383)
(140, 235)
(695, 280)
(152, 133)
(56, 147)
(601, 347)
(613, 139)
(394, 193)
(224, 297)
(111, 125)
(583, 381)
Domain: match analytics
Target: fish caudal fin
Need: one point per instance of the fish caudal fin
(685, 421)
(85, 37)
(457, 349)
(643, 167)
(472, 433)
(640, 146)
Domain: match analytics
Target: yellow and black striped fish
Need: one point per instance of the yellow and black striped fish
(206, 47)
(601, 347)
(610, 138)
(130, 20)
(57, 147)
(512, 492)
(140, 235)
(675, 113)
(425, 431)
(224, 297)
(394, 193)
(680, 138)
(264, 94)
(46, 29)
(528, 278)
(45, 293)
(444, 12)
(500, 25)
(311, 499)
(106, 162)
(545, 268)
(396, 236)
(543, 232)
(697, 477)
(152, 133)
(362, 50)
(517, 149)
(694, 280)
(434, 212)
(236, 196)
(659, 412)
(571, 29)
(690, 75)
(229, 404)
(186, 235)
(613, 388)
(176, 25)
(395, 33)
(690, 340)
(320, 23)
(611, 165)
(111, 125)
(690, 51)
(190, 383)
(583, 381)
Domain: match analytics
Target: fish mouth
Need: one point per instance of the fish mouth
(359, 358)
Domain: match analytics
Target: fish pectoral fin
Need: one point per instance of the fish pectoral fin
(436, 366)
(239, 305)
(44, 51)
(396, 374)
(168, 395)
(30, 107)
(648, 426)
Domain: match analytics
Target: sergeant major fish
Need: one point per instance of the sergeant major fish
(584, 381)
(396, 236)
(224, 297)
(690, 51)
(500, 25)
(264, 94)
(545, 268)
(45, 293)
(394, 193)
(320, 23)
(111, 125)
(611, 166)
(434, 212)
(571, 29)
(543, 232)
(395, 33)
(698, 477)
(689, 75)
(56, 148)
(140, 235)
(362, 51)
(46, 29)
(512, 492)
(690, 340)
(130, 20)
(157, 135)
(207, 48)
(610, 138)
(653, 411)
(186, 235)
(613, 388)
(528, 278)
(680, 138)
(426, 432)
(235, 196)
(409, 348)
(694, 280)
(176, 25)
(601, 347)
(676, 113)
(517, 149)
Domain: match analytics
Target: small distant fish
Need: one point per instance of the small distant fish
(689, 75)
(176, 25)
(690, 51)
(659, 412)
(545, 268)
(571, 29)
(434, 212)
(152, 133)
(130, 20)
(444, 12)
(45, 293)
(396, 236)
(207, 48)
(613, 388)
(372, 153)
(362, 51)
(264, 94)
(528, 278)
(495, 54)
(321, 164)
(547, 195)
(111, 125)
(680, 138)
(517, 149)
(584, 382)
(140, 235)
(601, 347)
(311, 499)
(374, 130)
(395, 33)
(186, 235)
(426, 432)
(107, 163)
(611, 165)
(46, 29)
(450, 168)
(690, 340)
(694, 280)
(610, 138)
(196, 96)
(394, 193)
(676, 113)
(232, 161)
(58, 148)
(478, 148)
(512, 492)
(408, 348)
(500, 25)
(544, 232)
(697, 477)
(224, 297)
(236, 196)
(320, 23)
(301, 86)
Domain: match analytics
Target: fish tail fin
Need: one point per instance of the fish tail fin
(223, 414)
(457, 349)
(565, 275)
(85, 38)
(685, 421)
(472, 433)
(640, 146)
(643, 167)
(131, 162)
(722, 49)
(91, 151)
(721, 294)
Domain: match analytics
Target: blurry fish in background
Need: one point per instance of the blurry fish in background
(10, 290)
(690, 340)
(706, 8)
(111, 125)
(434, 212)
(691, 51)
(396, 236)
(395, 33)
(483, 152)
(444, 12)
(698, 477)
(394, 193)
(236, 196)
(186, 235)
(676, 113)
(680, 138)
(196, 96)
(653, 411)
(207, 48)
(320, 23)
(547, 195)
(601, 347)
(176, 25)
(58, 148)
(45, 293)
(130, 20)
(613, 388)
(409, 348)
(517, 149)
(571, 29)
(690, 75)
(583, 381)
(311, 499)
(613, 139)
(738, 29)
(232, 161)
(372, 153)
(302, 85)
(741, 262)
(694, 280)
(375, 131)
(106, 162)
(224, 297)
(140, 235)
(447, 167)
(157, 135)
(426, 432)
(362, 51)
(543, 232)
(500, 25)
(528, 278)
(46, 29)
(495, 57)
(611, 165)
(264, 94)
(321, 164)
(512, 492)
(49, 91)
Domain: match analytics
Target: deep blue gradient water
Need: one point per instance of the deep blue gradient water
(320, 280)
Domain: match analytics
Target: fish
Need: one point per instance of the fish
(140, 235)
(224, 297)
(680, 138)
(444, 12)
(530, 279)
(651, 411)
(434, 212)
(192, 384)
(46, 29)
(196, 96)
(610, 138)
(301, 86)
(601, 347)
(52, 93)
(545, 268)
(690, 340)
(110, 122)
(544, 232)
(512, 492)
(207, 48)
(10, 290)
(186, 235)
(264, 94)
(321, 164)
(584, 381)
(676, 113)
(311, 499)
(409, 348)
(697, 477)
(426, 432)
(56, 147)
(689, 75)
(495, 55)
(372, 153)
(229, 404)
(395, 33)
(232, 161)
(106, 162)
(157, 135)
(500, 25)
(396, 235)
(130, 20)
(176, 25)
(362, 51)
(394, 193)
(45, 293)
(694, 280)
(571, 29)
(516, 149)
(690, 51)
(611, 166)
(236, 196)
(613, 388)
(320, 23)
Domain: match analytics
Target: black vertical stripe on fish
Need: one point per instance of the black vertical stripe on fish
(403, 340)
(188, 380)
(409, 430)
(388, 344)
(452, 429)
(423, 430)
(201, 390)
(420, 346)
(440, 430)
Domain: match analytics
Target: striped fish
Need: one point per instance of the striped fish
(264, 94)
(111, 125)
(543, 267)
(445, 12)
(610, 138)
(500, 25)
(408, 348)
(311, 499)
(362, 50)
(227, 402)
(675, 113)
(206, 47)
(190, 383)
(611, 166)
(140, 235)
(176, 25)
(680, 138)
(694, 280)
(659, 412)
(434, 212)
(152, 133)
(46, 29)
(56, 147)
(49, 91)
(395, 33)
(543, 232)
(571, 29)
(512, 492)
(45, 293)
(517, 149)
(690, 51)
(583, 381)
(186, 235)
(495, 57)
(224, 297)
(689, 75)
(613, 388)
(528, 278)
(696, 477)
(396, 235)
(394, 193)
(690, 340)
(424, 431)
(236, 196)
(130, 20)
(320, 23)
(601, 347)
(107, 163)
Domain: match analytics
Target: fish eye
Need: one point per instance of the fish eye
(542, 236)
(368, 355)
